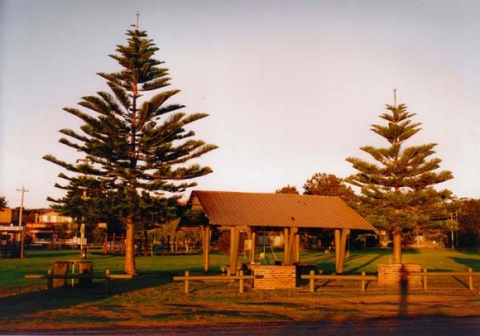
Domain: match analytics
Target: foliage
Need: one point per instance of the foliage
(397, 191)
(328, 185)
(137, 145)
(3, 202)
(288, 190)
(223, 244)
(469, 223)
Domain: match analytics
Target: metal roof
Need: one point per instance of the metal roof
(278, 210)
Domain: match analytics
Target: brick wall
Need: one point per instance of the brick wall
(274, 276)
(394, 274)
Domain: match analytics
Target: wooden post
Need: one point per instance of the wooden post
(312, 282)
(234, 242)
(286, 246)
(424, 279)
(49, 281)
(340, 251)
(470, 280)
(187, 289)
(363, 282)
(337, 248)
(297, 247)
(253, 237)
(107, 281)
(206, 247)
(240, 281)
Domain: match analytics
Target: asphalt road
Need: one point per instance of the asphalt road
(436, 325)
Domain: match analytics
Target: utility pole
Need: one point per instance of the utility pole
(22, 233)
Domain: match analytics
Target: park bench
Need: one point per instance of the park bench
(50, 277)
(206, 278)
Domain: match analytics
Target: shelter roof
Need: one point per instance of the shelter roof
(277, 210)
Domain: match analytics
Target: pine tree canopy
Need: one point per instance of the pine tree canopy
(131, 137)
(397, 189)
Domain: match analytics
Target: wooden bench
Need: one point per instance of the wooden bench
(206, 278)
(50, 277)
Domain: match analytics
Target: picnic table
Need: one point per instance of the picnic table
(58, 276)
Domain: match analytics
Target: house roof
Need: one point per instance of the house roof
(278, 210)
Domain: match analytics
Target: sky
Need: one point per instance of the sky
(291, 87)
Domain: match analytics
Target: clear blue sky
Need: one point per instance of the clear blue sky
(291, 87)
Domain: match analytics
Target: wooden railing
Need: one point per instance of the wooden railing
(425, 274)
(241, 277)
(363, 279)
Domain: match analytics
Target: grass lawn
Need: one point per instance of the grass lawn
(153, 299)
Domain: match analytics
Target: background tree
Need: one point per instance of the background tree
(288, 190)
(3, 202)
(469, 223)
(397, 192)
(322, 184)
(133, 139)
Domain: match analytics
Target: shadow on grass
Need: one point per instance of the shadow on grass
(36, 298)
(472, 263)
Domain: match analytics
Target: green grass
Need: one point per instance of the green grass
(153, 299)
(38, 261)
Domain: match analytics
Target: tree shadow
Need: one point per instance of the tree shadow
(37, 298)
(469, 262)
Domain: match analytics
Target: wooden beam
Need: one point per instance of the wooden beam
(290, 237)
(337, 248)
(206, 247)
(286, 246)
(297, 247)
(234, 243)
(253, 236)
(343, 246)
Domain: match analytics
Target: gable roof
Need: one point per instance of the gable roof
(277, 210)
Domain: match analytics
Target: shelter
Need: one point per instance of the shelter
(251, 212)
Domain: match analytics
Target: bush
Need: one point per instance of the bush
(223, 243)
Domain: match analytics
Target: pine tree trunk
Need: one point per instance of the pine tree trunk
(397, 248)
(130, 267)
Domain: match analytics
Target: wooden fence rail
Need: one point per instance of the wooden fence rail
(425, 274)
(363, 278)
(206, 278)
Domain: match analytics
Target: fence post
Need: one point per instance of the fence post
(241, 282)
(49, 281)
(312, 281)
(187, 274)
(470, 279)
(363, 282)
(107, 281)
(425, 279)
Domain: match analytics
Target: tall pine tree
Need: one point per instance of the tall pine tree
(397, 191)
(133, 139)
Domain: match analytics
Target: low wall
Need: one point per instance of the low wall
(399, 274)
(274, 276)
